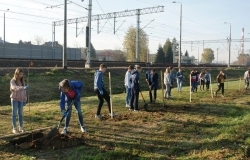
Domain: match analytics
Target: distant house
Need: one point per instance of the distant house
(56, 44)
(106, 55)
(185, 60)
(24, 42)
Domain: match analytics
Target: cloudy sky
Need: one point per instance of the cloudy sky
(202, 20)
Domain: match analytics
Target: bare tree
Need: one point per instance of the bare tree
(38, 40)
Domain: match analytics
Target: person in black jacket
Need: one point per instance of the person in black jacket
(135, 88)
(153, 85)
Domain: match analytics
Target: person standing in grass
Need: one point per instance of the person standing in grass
(220, 81)
(100, 91)
(202, 80)
(70, 93)
(135, 88)
(193, 80)
(153, 86)
(197, 73)
(246, 78)
(128, 85)
(18, 98)
(179, 77)
(167, 82)
(207, 79)
(172, 77)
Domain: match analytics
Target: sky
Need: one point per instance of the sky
(201, 20)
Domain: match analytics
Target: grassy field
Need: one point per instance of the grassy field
(206, 128)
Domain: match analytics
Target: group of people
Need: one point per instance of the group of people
(70, 91)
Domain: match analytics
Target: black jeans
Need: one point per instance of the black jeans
(171, 86)
(220, 87)
(153, 89)
(207, 85)
(101, 97)
(202, 84)
(134, 99)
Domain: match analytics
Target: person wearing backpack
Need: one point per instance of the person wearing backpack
(18, 99)
(135, 88)
(70, 93)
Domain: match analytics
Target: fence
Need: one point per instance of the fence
(29, 51)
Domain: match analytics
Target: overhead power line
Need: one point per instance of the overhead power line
(125, 13)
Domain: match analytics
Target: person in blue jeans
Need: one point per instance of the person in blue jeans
(193, 80)
(135, 88)
(179, 77)
(127, 84)
(18, 99)
(70, 93)
(153, 86)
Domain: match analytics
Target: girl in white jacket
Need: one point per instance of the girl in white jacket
(167, 82)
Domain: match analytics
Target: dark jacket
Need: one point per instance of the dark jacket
(98, 80)
(193, 77)
(135, 80)
(76, 86)
(179, 76)
(154, 80)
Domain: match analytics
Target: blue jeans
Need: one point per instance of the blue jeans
(17, 109)
(179, 84)
(128, 95)
(194, 85)
(77, 105)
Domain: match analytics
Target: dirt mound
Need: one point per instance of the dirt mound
(39, 141)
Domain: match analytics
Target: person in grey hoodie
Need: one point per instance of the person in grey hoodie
(18, 99)
(207, 79)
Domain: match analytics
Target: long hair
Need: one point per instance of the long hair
(16, 75)
(64, 84)
(167, 71)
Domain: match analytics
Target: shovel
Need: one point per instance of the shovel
(54, 131)
(145, 104)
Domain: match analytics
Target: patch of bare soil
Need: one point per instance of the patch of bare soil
(39, 141)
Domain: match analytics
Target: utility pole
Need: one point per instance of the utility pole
(179, 64)
(217, 55)
(65, 36)
(138, 35)
(4, 34)
(198, 56)
(229, 47)
(88, 63)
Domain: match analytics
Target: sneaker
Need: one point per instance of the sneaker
(21, 129)
(222, 95)
(114, 114)
(131, 109)
(136, 110)
(83, 129)
(98, 116)
(127, 105)
(14, 131)
(64, 131)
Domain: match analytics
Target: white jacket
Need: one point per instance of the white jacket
(246, 75)
(167, 79)
(127, 79)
